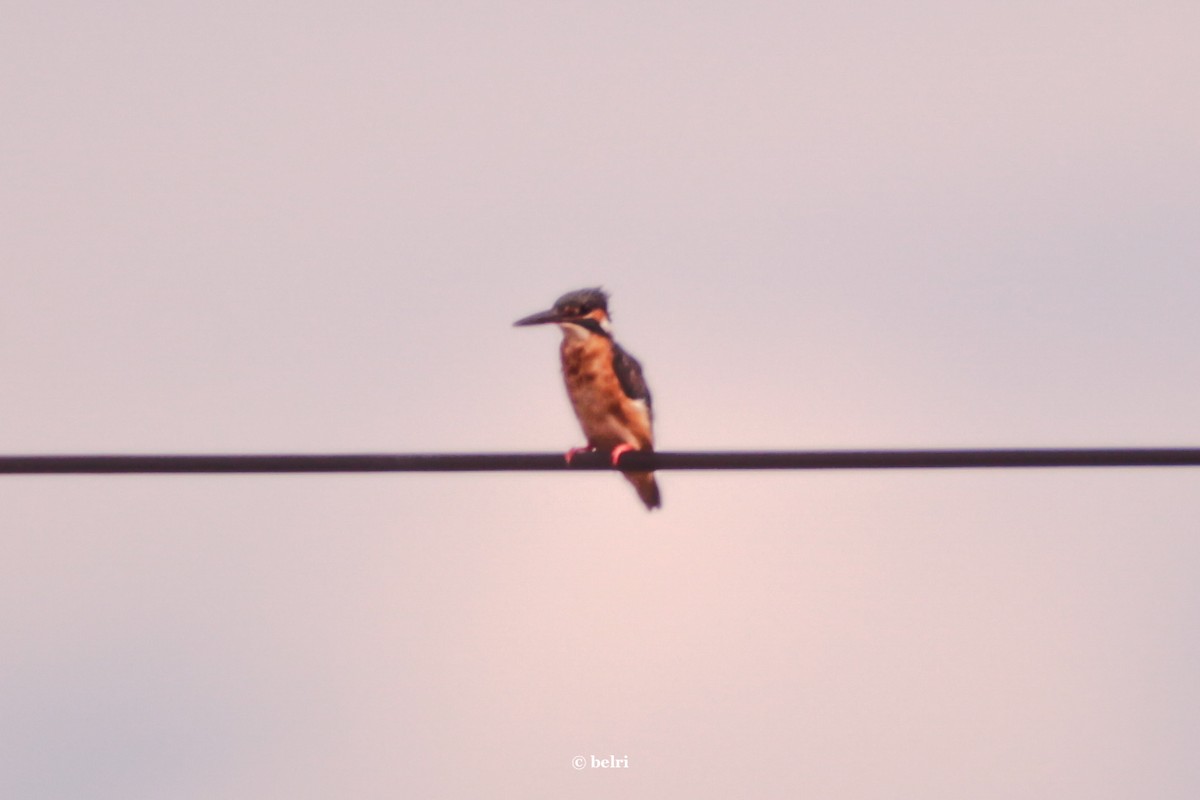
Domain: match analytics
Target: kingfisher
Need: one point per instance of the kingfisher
(604, 383)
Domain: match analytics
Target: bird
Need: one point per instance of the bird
(604, 384)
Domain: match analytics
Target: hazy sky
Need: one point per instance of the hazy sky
(245, 227)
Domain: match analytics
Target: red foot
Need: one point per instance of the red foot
(574, 451)
(618, 450)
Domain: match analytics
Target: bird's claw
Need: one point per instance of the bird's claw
(618, 451)
(615, 454)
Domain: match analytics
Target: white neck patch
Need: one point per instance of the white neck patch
(573, 331)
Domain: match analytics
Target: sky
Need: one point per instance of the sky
(308, 227)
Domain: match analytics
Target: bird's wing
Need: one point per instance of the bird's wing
(629, 375)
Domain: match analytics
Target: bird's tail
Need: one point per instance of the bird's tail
(647, 488)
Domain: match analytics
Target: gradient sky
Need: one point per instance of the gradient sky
(254, 226)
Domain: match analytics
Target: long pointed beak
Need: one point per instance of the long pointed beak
(540, 318)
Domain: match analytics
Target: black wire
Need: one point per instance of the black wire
(630, 461)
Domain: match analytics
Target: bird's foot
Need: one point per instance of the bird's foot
(574, 451)
(618, 451)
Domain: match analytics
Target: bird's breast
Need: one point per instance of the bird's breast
(608, 417)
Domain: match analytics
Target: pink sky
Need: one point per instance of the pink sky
(260, 227)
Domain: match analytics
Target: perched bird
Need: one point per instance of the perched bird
(604, 383)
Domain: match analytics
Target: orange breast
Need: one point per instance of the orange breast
(608, 417)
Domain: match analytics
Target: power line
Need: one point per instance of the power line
(630, 461)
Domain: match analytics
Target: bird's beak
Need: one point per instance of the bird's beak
(540, 318)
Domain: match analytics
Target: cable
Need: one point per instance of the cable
(630, 461)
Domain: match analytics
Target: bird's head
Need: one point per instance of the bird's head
(582, 312)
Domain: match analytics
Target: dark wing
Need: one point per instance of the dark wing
(629, 375)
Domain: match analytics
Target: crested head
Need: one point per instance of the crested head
(582, 302)
(580, 313)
